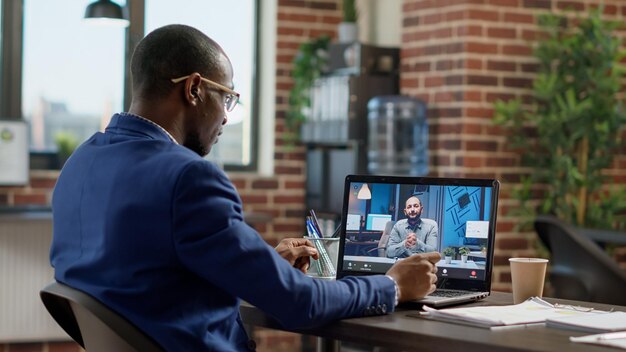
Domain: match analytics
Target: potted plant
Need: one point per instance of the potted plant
(348, 32)
(308, 65)
(464, 252)
(66, 142)
(575, 117)
(448, 253)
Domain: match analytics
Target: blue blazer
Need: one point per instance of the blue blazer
(156, 232)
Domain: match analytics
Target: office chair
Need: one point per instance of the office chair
(91, 324)
(381, 248)
(579, 268)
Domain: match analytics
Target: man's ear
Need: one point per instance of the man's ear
(193, 89)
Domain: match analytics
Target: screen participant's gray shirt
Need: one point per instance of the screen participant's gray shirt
(425, 231)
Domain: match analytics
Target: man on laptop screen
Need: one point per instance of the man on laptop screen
(423, 215)
(413, 234)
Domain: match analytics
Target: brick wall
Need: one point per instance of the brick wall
(460, 56)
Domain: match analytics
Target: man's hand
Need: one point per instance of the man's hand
(297, 251)
(411, 240)
(415, 275)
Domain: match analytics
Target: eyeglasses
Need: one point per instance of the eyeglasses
(231, 98)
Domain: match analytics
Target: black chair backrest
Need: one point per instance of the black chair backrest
(579, 268)
(92, 324)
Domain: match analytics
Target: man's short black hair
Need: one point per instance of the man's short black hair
(169, 52)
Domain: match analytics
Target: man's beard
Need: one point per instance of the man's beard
(192, 141)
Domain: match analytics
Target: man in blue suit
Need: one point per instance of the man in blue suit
(151, 229)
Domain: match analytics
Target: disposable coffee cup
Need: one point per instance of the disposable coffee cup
(527, 276)
(325, 267)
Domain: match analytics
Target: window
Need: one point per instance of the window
(233, 25)
(73, 72)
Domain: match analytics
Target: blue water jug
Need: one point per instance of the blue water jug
(398, 136)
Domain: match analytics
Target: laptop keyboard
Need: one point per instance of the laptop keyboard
(448, 293)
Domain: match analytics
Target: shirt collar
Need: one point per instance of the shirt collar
(139, 124)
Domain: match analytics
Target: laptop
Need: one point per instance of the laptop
(455, 213)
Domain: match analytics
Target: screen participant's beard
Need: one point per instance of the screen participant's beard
(193, 142)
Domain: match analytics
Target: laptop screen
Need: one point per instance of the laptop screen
(390, 218)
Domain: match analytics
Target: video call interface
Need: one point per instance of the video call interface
(454, 221)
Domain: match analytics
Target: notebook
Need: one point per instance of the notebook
(454, 213)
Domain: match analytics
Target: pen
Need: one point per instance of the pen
(612, 336)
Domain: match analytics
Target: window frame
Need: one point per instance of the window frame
(11, 61)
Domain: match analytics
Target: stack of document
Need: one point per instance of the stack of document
(607, 322)
(533, 311)
(615, 339)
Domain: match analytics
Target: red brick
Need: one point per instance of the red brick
(449, 144)
(510, 3)
(517, 82)
(502, 161)
(504, 277)
(503, 33)
(570, 5)
(530, 67)
(473, 64)
(472, 161)
(500, 260)
(322, 5)
(539, 4)
(481, 145)
(482, 80)
(493, 97)
(469, 31)
(453, 80)
(501, 65)
(265, 184)
(479, 112)
(472, 96)
(409, 83)
(294, 184)
(481, 48)
(504, 226)
(470, 128)
(435, 81)
(288, 199)
(293, 228)
(288, 170)
(455, 15)
(30, 199)
(445, 112)
(296, 17)
(334, 20)
(248, 199)
(442, 160)
(482, 15)
(511, 17)
(432, 19)
(517, 50)
(512, 243)
(290, 31)
(45, 183)
(610, 10)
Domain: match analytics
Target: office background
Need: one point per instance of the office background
(458, 56)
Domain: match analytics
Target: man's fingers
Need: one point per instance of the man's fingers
(305, 251)
(433, 257)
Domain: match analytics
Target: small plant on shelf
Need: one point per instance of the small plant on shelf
(464, 251)
(448, 253)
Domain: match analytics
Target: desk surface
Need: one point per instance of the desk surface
(399, 331)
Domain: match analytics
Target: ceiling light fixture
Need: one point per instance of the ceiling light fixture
(106, 12)
(364, 192)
